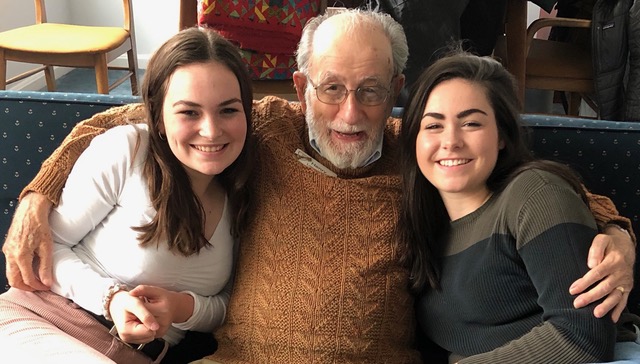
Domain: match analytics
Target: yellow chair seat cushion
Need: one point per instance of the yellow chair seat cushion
(63, 38)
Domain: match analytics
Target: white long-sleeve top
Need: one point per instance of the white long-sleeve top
(95, 246)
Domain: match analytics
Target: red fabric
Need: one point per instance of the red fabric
(269, 66)
(259, 25)
(267, 31)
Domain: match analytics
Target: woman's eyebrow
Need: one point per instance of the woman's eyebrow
(460, 115)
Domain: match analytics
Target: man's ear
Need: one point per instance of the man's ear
(300, 83)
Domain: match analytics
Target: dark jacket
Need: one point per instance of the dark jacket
(632, 95)
(609, 53)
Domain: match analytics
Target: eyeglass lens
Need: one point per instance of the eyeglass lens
(366, 95)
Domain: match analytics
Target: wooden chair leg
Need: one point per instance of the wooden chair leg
(102, 74)
(3, 71)
(516, 35)
(133, 68)
(50, 78)
(188, 13)
(574, 103)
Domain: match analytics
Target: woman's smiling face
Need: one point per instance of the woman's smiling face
(458, 142)
(204, 122)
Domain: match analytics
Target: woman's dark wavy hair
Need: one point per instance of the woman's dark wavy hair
(424, 221)
(180, 215)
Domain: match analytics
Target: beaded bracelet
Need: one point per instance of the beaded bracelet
(108, 296)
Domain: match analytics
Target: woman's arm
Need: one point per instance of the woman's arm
(551, 231)
(89, 196)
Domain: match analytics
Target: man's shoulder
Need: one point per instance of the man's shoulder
(274, 106)
(134, 112)
(117, 115)
(392, 135)
(393, 126)
(273, 116)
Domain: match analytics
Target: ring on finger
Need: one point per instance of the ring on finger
(621, 289)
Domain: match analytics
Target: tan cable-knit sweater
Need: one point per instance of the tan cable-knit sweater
(318, 278)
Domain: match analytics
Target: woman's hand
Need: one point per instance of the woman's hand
(166, 306)
(135, 323)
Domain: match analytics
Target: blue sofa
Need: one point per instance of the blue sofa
(605, 153)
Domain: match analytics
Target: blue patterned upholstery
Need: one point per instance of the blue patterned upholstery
(605, 153)
(32, 125)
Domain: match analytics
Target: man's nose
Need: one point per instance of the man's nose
(351, 108)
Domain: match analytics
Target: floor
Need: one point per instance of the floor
(83, 80)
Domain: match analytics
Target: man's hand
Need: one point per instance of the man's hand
(29, 245)
(611, 259)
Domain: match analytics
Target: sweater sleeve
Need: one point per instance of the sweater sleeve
(552, 230)
(54, 171)
(210, 312)
(606, 213)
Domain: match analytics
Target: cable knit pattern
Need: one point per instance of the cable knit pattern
(319, 279)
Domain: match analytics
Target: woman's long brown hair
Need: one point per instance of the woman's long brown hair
(180, 216)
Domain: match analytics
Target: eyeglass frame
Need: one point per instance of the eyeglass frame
(348, 91)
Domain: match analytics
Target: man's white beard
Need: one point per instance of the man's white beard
(343, 155)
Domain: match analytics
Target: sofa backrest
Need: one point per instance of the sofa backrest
(605, 153)
(32, 125)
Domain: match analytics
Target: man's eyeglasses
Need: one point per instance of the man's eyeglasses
(335, 94)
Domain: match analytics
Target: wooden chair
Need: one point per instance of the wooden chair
(546, 64)
(560, 66)
(52, 44)
(188, 14)
(261, 87)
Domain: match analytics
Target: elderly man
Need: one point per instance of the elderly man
(320, 276)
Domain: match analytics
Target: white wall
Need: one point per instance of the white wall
(154, 21)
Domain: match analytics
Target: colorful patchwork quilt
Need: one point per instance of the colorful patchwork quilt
(267, 31)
